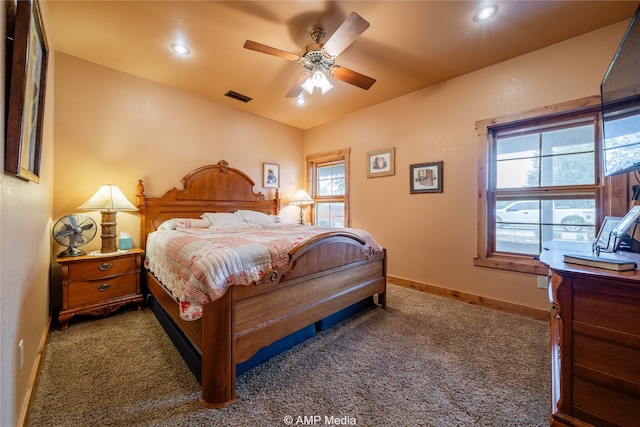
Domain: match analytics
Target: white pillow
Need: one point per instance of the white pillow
(183, 223)
(224, 220)
(169, 224)
(256, 218)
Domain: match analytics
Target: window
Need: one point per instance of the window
(542, 183)
(329, 186)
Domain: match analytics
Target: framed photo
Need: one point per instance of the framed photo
(606, 240)
(625, 225)
(381, 163)
(426, 177)
(270, 175)
(28, 77)
(628, 232)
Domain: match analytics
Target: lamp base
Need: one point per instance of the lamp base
(109, 235)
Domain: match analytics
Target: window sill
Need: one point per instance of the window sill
(512, 263)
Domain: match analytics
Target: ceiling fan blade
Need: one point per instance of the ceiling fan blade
(346, 34)
(297, 88)
(352, 77)
(259, 47)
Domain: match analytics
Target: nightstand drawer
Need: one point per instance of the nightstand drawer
(81, 293)
(100, 268)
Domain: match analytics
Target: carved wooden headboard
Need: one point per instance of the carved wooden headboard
(213, 188)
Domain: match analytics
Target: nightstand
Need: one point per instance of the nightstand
(99, 285)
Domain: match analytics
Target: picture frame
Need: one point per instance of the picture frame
(426, 177)
(27, 77)
(606, 240)
(627, 232)
(381, 163)
(270, 175)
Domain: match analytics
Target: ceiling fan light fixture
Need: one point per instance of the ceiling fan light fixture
(317, 80)
(321, 81)
(308, 85)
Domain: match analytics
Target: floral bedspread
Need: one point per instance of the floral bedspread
(198, 265)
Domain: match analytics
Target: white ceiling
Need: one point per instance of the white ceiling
(408, 46)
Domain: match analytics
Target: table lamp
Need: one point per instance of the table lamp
(301, 198)
(108, 200)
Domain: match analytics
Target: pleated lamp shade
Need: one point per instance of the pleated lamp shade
(109, 199)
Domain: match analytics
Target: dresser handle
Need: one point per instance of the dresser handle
(104, 287)
(105, 266)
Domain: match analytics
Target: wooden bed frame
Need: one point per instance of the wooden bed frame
(324, 276)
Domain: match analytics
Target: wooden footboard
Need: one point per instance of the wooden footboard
(248, 318)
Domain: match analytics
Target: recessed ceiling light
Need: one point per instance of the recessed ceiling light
(180, 49)
(486, 12)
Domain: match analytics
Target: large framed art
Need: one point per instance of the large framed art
(27, 76)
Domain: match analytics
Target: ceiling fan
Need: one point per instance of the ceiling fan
(320, 57)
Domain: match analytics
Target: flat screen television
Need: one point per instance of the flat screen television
(620, 92)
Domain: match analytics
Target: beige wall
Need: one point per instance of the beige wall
(113, 128)
(431, 238)
(25, 247)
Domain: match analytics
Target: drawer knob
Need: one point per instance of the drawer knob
(104, 287)
(105, 266)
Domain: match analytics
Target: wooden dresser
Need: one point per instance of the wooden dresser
(595, 342)
(99, 285)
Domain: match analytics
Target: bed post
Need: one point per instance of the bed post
(218, 344)
(140, 196)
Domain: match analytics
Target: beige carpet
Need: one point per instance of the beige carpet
(425, 361)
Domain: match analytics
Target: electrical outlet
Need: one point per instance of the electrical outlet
(543, 282)
(21, 353)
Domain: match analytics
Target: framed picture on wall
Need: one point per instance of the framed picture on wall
(270, 175)
(28, 77)
(426, 177)
(381, 163)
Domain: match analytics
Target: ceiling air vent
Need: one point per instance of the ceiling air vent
(238, 96)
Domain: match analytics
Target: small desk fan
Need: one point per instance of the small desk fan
(72, 231)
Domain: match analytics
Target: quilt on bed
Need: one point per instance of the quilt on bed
(197, 265)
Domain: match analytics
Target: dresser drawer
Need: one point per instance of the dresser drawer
(100, 268)
(90, 291)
